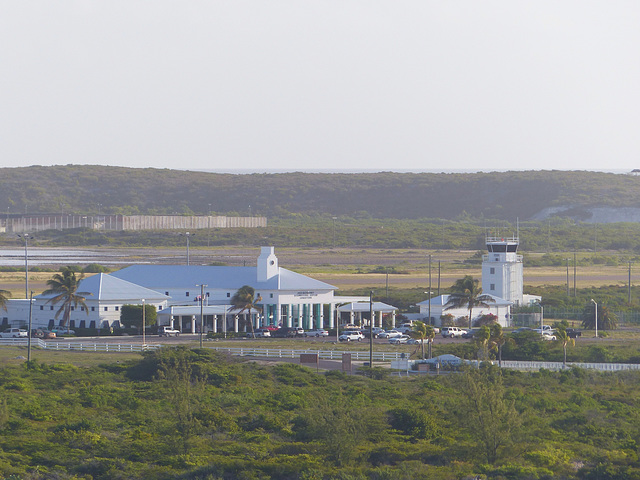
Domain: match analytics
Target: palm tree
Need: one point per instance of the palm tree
(498, 339)
(243, 300)
(64, 287)
(483, 336)
(466, 292)
(607, 320)
(420, 332)
(561, 336)
(431, 334)
(4, 296)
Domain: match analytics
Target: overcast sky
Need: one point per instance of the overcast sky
(332, 85)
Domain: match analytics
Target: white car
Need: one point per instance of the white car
(452, 332)
(14, 333)
(354, 336)
(319, 332)
(548, 336)
(399, 340)
(167, 331)
(390, 334)
(261, 333)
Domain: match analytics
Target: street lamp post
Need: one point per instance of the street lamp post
(188, 234)
(26, 237)
(596, 315)
(144, 337)
(541, 317)
(371, 330)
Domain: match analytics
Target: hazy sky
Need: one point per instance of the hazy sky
(307, 85)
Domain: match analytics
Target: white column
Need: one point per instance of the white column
(215, 324)
(289, 310)
(380, 319)
(193, 324)
(235, 323)
(332, 313)
(393, 319)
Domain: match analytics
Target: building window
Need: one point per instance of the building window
(93, 309)
(228, 294)
(271, 295)
(82, 309)
(187, 294)
(73, 308)
(492, 286)
(51, 307)
(492, 270)
(41, 307)
(166, 293)
(106, 309)
(117, 308)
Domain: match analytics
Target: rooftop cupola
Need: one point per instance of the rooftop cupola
(267, 264)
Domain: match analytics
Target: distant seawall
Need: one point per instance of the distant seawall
(36, 223)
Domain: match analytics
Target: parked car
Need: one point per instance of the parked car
(390, 334)
(43, 333)
(318, 332)
(14, 333)
(548, 336)
(471, 333)
(260, 333)
(166, 331)
(522, 330)
(352, 336)
(376, 331)
(286, 332)
(63, 331)
(405, 328)
(452, 332)
(399, 340)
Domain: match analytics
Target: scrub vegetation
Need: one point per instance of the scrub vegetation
(179, 413)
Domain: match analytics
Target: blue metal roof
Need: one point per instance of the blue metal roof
(108, 288)
(161, 277)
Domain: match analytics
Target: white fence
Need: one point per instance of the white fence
(356, 355)
(78, 346)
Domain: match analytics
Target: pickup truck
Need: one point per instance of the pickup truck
(573, 333)
(545, 329)
(14, 333)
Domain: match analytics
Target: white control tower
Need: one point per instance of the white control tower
(502, 269)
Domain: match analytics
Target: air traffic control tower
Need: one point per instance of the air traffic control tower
(502, 269)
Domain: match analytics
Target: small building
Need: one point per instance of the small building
(500, 307)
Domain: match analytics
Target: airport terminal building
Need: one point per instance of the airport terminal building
(181, 293)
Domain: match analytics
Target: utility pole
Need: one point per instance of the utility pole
(575, 275)
(629, 296)
(567, 278)
(29, 330)
(429, 292)
(202, 311)
(371, 332)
